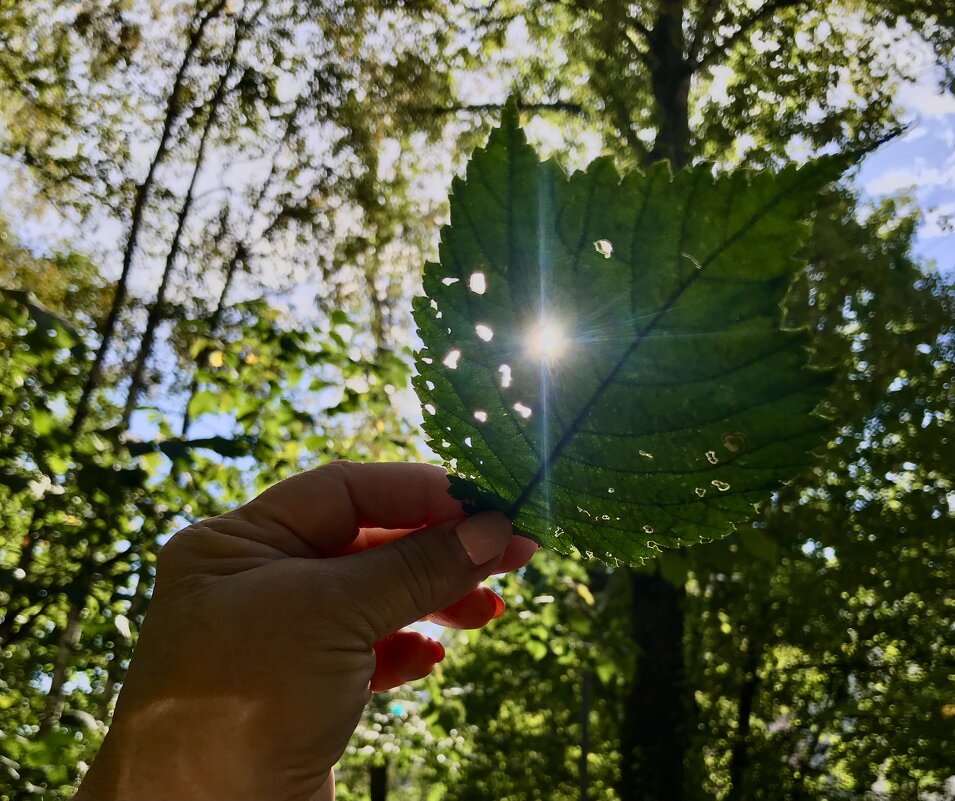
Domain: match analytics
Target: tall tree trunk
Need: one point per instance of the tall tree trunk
(173, 114)
(658, 716)
(739, 757)
(657, 719)
(670, 76)
(67, 642)
(157, 311)
(240, 251)
(584, 734)
(378, 777)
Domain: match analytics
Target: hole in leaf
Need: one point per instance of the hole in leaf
(427, 360)
(604, 247)
(648, 529)
(429, 408)
(451, 360)
(700, 491)
(711, 457)
(610, 490)
(429, 385)
(505, 372)
(480, 416)
(722, 486)
(449, 281)
(467, 441)
(522, 410)
(646, 454)
(484, 332)
(477, 283)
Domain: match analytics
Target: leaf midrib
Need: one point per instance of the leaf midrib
(572, 430)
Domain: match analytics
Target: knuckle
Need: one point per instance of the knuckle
(421, 573)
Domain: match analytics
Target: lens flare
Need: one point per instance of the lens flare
(547, 341)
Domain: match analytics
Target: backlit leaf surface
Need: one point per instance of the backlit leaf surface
(604, 359)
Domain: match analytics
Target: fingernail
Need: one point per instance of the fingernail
(438, 650)
(499, 606)
(484, 536)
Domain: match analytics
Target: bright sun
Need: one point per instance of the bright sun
(547, 341)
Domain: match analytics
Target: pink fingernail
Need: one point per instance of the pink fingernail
(484, 536)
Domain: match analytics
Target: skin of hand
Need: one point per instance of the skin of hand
(270, 626)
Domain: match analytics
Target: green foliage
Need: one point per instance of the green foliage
(816, 641)
(516, 690)
(676, 401)
(85, 513)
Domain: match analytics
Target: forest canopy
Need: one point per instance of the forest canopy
(215, 217)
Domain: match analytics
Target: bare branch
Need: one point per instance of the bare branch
(645, 55)
(171, 117)
(157, 311)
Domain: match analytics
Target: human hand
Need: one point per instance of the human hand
(270, 626)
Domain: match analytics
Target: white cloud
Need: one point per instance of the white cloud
(926, 100)
(895, 180)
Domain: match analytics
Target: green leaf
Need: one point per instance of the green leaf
(54, 329)
(604, 359)
(536, 649)
(203, 402)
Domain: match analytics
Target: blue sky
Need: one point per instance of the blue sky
(922, 163)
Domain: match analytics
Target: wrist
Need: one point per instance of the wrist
(189, 751)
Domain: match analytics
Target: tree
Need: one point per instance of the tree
(335, 111)
(795, 74)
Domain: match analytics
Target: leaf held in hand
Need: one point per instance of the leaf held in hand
(604, 359)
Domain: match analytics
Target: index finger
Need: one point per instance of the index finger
(328, 506)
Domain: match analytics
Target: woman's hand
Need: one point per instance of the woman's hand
(270, 626)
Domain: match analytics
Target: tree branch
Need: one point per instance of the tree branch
(241, 250)
(157, 311)
(143, 191)
(704, 27)
(744, 26)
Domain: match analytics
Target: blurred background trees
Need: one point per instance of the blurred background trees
(241, 195)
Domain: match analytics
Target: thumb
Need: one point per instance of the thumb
(402, 581)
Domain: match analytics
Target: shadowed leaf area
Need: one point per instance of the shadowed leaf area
(605, 358)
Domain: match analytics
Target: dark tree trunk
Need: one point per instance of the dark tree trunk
(739, 758)
(378, 791)
(670, 76)
(584, 734)
(658, 716)
(657, 719)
